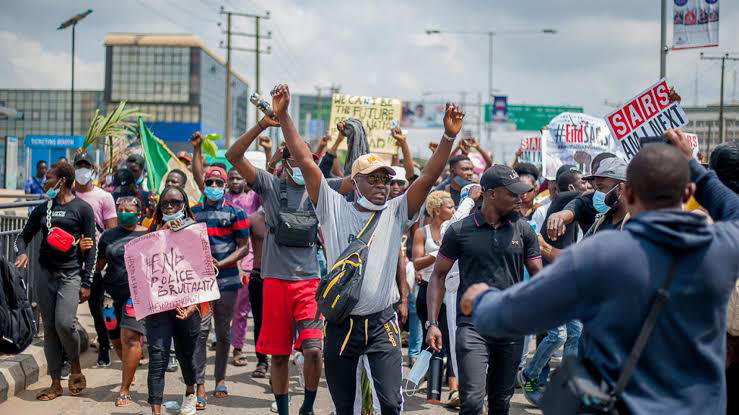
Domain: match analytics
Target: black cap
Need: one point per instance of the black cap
(563, 168)
(527, 168)
(84, 156)
(136, 158)
(500, 175)
(122, 177)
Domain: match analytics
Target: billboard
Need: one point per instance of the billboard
(695, 24)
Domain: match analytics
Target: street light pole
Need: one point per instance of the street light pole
(490, 66)
(73, 22)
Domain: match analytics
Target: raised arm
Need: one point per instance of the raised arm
(421, 259)
(485, 155)
(197, 159)
(402, 142)
(298, 150)
(235, 154)
(453, 120)
(266, 144)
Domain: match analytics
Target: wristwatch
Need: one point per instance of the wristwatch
(430, 323)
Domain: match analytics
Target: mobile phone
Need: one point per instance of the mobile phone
(183, 223)
(652, 140)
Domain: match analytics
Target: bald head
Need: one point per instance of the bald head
(658, 176)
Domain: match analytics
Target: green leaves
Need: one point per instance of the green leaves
(209, 144)
(119, 123)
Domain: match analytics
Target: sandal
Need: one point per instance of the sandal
(77, 383)
(260, 372)
(123, 400)
(201, 403)
(221, 388)
(239, 359)
(49, 394)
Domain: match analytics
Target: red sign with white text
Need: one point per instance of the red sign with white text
(648, 114)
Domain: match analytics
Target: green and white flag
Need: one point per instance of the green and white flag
(160, 160)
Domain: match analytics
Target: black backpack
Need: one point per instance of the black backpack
(338, 292)
(17, 326)
(295, 228)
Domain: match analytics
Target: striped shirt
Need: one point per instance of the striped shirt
(225, 223)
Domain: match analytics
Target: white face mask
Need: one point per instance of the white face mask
(416, 373)
(366, 203)
(83, 175)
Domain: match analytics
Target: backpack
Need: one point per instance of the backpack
(338, 293)
(17, 326)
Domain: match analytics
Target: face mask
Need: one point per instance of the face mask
(127, 218)
(366, 203)
(177, 215)
(418, 370)
(214, 193)
(83, 176)
(297, 175)
(599, 201)
(109, 180)
(140, 180)
(461, 182)
(54, 191)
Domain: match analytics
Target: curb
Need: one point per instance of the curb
(19, 372)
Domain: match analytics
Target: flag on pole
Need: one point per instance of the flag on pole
(160, 160)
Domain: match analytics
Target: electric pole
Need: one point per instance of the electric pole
(257, 51)
(723, 59)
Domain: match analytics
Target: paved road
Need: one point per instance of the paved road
(247, 395)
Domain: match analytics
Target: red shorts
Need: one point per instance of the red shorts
(288, 305)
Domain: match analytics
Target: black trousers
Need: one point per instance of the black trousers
(476, 355)
(256, 284)
(423, 316)
(95, 302)
(377, 336)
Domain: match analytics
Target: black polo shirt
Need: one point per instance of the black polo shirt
(489, 255)
(582, 207)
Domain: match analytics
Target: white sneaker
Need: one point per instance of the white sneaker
(273, 407)
(189, 405)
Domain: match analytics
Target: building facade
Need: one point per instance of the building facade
(703, 121)
(175, 79)
(42, 112)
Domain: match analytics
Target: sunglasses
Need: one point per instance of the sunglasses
(397, 182)
(172, 203)
(374, 179)
(214, 182)
(127, 199)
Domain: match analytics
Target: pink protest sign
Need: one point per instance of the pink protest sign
(169, 269)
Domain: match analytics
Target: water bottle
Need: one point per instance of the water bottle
(433, 389)
(261, 103)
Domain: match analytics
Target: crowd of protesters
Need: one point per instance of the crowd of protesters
(489, 269)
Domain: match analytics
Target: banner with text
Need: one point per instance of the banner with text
(694, 144)
(378, 116)
(648, 114)
(695, 24)
(575, 138)
(169, 269)
(531, 147)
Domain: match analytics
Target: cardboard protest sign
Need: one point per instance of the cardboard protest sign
(693, 140)
(378, 116)
(648, 114)
(531, 150)
(169, 269)
(575, 138)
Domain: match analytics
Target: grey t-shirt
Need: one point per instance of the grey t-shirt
(341, 221)
(284, 262)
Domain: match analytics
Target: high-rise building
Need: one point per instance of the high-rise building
(177, 80)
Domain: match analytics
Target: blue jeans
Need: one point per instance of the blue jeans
(415, 342)
(555, 338)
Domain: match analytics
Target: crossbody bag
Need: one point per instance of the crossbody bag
(576, 388)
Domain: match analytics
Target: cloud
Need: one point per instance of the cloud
(28, 65)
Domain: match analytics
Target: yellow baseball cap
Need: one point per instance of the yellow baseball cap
(369, 163)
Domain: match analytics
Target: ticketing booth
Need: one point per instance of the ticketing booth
(50, 148)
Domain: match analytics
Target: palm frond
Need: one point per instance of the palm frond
(119, 123)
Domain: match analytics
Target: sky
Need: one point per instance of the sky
(604, 52)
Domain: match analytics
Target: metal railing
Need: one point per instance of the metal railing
(10, 227)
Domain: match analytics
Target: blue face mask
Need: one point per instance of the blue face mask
(297, 175)
(177, 215)
(214, 193)
(599, 201)
(52, 193)
(417, 371)
(140, 180)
